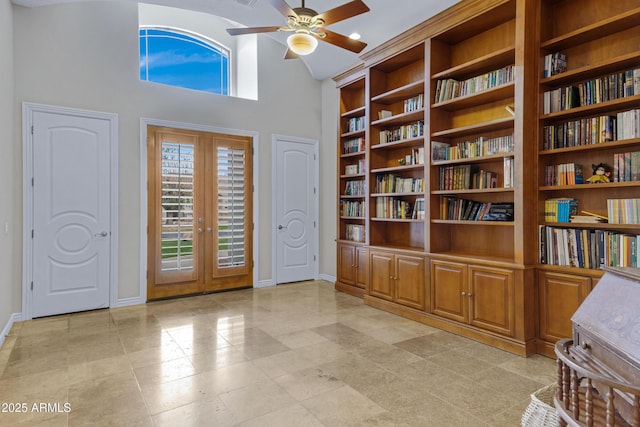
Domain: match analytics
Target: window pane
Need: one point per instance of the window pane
(177, 59)
(177, 206)
(231, 208)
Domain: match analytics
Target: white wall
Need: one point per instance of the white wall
(9, 263)
(85, 55)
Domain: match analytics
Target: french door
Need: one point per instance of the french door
(199, 212)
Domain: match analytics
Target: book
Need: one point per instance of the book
(439, 150)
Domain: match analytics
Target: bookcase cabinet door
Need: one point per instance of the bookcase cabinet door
(381, 274)
(362, 267)
(491, 297)
(410, 274)
(560, 296)
(448, 290)
(346, 264)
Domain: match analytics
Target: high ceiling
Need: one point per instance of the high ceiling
(385, 20)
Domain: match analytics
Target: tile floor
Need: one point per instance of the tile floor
(293, 355)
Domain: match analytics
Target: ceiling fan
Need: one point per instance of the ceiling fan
(307, 26)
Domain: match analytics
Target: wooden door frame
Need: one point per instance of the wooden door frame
(274, 212)
(28, 109)
(144, 123)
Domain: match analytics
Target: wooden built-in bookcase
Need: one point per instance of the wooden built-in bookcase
(456, 156)
(599, 40)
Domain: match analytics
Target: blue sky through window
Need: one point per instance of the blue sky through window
(177, 59)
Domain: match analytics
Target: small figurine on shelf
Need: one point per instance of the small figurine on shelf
(601, 173)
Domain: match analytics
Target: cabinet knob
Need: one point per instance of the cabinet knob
(464, 293)
(470, 295)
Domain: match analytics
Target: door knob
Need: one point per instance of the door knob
(103, 234)
(282, 227)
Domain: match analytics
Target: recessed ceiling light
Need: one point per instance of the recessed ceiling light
(354, 36)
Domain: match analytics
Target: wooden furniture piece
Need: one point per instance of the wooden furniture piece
(599, 40)
(490, 280)
(599, 370)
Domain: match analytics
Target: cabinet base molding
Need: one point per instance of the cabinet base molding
(546, 349)
(349, 289)
(520, 348)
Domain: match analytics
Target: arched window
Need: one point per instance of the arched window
(176, 58)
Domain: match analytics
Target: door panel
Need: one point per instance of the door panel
(448, 282)
(362, 267)
(71, 213)
(492, 306)
(346, 264)
(200, 212)
(410, 272)
(560, 296)
(381, 279)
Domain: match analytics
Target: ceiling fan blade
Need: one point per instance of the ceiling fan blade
(282, 7)
(343, 41)
(291, 55)
(343, 12)
(252, 30)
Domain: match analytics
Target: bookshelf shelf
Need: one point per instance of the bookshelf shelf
(353, 134)
(472, 159)
(419, 141)
(356, 218)
(474, 223)
(357, 154)
(629, 60)
(484, 97)
(399, 119)
(596, 30)
(598, 226)
(396, 194)
(356, 112)
(590, 187)
(619, 104)
(592, 147)
(473, 191)
(356, 175)
(398, 168)
(495, 59)
(400, 93)
(376, 219)
(477, 128)
(349, 196)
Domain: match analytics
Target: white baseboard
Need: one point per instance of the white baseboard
(124, 302)
(264, 283)
(327, 277)
(15, 317)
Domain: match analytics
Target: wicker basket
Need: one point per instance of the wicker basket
(541, 412)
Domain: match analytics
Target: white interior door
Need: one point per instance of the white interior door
(71, 213)
(295, 169)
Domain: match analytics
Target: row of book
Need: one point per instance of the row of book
(555, 63)
(355, 188)
(462, 177)
(623, 211)
(355, 145)
(412, 130)
(563, 174)
(457, 209)
(447, 89)
(390, 183)
(626, 167)
(395, 208)
(628, 124)
(413, 104)
(356, 124)
(584, 248)
(479, 147)
(587, 131)
(352, 208)
(355, 233)
(508, 172)
(594, 91)
(560, 209)
(355, 169)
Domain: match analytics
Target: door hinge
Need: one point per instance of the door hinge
(31, 285)
(314, 190)
(314, 257)
(32, 233)
(253, 188)
(314, 224)
(32, 181)
(253, 263)
(314, 157)
(31, 129)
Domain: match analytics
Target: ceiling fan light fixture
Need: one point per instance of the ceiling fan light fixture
(302, 43)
